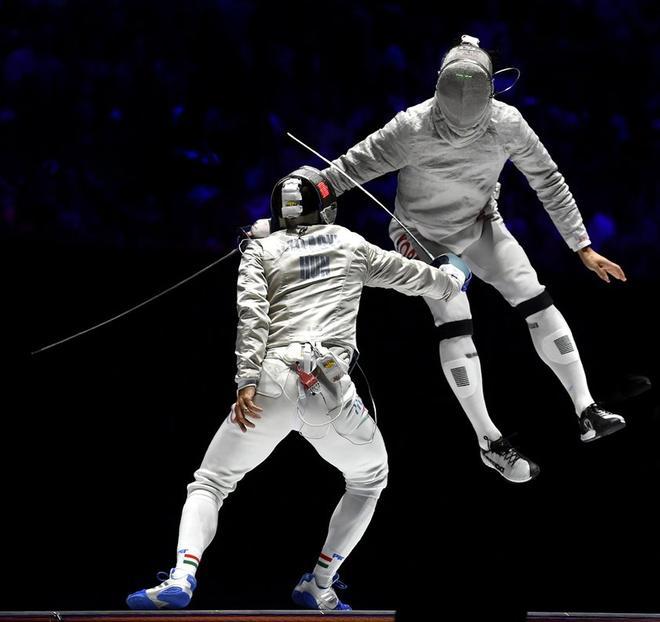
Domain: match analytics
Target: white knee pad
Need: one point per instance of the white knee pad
(462, 375)
(558, 346)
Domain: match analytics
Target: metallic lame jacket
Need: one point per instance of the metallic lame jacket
(442, 189)
(298, 288)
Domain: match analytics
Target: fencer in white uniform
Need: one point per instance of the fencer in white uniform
(449, 152)
(299, 291)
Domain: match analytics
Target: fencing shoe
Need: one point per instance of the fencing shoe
(309, 595)
(595, 422)
(508, 461)
(174, 592)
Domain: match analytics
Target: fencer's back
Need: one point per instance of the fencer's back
(315, 278)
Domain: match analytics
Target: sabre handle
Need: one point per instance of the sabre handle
(449, 259)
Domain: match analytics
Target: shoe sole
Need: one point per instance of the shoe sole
(140, 602)
(615, 428)
(513, 481)
(304, 599)
(172, 598)
(307, 601)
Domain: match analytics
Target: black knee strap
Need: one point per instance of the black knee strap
(536, 304)
(455, 329)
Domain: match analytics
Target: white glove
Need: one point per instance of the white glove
(456, 279)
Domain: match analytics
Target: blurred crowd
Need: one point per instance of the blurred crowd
(147, 124)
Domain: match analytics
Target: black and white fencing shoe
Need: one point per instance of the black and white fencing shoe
(508, 461)
(596, 422)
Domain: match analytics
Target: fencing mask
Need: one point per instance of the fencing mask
(464, 89)
(304, 197)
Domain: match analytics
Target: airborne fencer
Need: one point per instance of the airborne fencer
(298, 293)
(449, 152)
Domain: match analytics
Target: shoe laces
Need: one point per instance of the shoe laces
(338, 583)
(163, 576)
(601, 411)
(328, 598)
(505, 450)
(590, 410)
(594, 410)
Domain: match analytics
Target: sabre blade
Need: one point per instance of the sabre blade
(137, 306)
(357, 185)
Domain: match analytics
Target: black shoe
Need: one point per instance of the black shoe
(508, 461)
(596, 422)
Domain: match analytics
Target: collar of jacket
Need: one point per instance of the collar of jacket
(460, 137)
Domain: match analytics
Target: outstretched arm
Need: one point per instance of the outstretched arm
(383, 151)
(412, 277)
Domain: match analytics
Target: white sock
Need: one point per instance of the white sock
(555, 345)
(347, 526)
(199, 522)
(460, 363)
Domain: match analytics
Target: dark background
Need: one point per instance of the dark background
(136, 136)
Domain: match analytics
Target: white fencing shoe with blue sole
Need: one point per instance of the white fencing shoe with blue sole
(309, 595)
(172, 593)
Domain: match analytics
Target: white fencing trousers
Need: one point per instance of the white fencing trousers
(344, 443)
(493, 255)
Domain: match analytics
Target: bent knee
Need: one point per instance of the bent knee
(204, 495)
(212, 486)
(369, 485)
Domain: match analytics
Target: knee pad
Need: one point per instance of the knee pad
(462, 375)
(558, 345)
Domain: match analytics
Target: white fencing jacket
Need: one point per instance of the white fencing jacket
(444, 189)
(305, 288)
